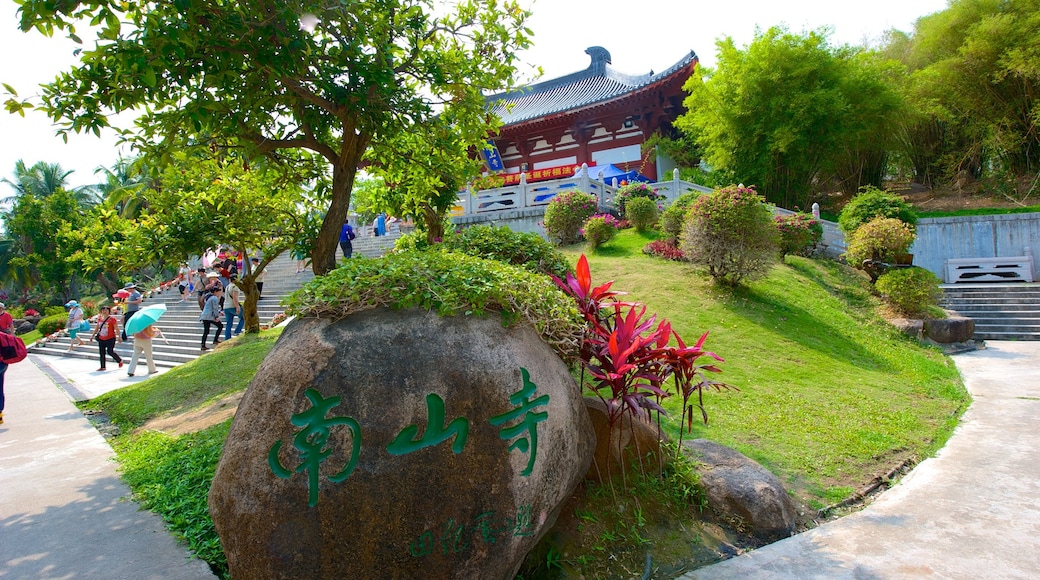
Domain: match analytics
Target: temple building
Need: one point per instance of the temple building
(597, 116)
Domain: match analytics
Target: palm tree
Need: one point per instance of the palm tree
(124, 187)
(43, 179)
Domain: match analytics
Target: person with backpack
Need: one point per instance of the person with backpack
(346, 235)
(106, 334)
(75, 324)
(12, 350)
(210, 316)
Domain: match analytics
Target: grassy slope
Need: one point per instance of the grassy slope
(829, 396)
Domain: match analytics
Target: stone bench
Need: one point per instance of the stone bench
(1010, 269)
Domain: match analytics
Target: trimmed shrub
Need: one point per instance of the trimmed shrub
(799, 233)
(565, 215)
(664, 249)
(642, 212)
(731, 233)
(525, 249)
(450, 284)
(872, 203)
(911, 291)
(627, 193)
(881, 239)
(598, 230)
(52, 324)
(674, 215)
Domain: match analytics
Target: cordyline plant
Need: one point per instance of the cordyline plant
(629, 357)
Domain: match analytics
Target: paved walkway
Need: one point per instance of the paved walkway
(970, 512)
(64, 512)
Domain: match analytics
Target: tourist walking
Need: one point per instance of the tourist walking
(232, 306)
(6, 326)
(184, 282)
(6, 321)
(143, 345)
(133, 304)
(259, 277)
(346, 235)
(75, 324)
(106, 334)
(211, 316)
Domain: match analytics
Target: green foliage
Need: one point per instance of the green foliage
(880, 239)
(450, 284)
(911, 291)
(872, 203)
(642, 212)
(731, 233)
(51, 324)
(786, 111)
(974, 77)
(36, 258)
(631, 191)
(171, 476)
(367, 75)
(598, 230)
(527, 250)
(799, 233)
(674, 215)
(565, 215)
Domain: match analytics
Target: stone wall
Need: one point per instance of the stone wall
(988, 236)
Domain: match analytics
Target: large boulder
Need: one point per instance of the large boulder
(628, 443)
(740, 490)
(399, 444)
(948, 330)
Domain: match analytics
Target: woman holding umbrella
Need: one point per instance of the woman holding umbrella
(142, 327)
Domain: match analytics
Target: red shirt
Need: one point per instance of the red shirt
(6, 322)
(107, 328)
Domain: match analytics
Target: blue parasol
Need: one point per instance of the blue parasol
(144, 317)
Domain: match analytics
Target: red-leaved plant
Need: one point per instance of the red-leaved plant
(629, 357)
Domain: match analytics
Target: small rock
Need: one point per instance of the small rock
(912, 327)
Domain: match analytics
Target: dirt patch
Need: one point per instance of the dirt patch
(197, 419)
(974, 195)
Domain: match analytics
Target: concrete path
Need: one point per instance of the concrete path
(64, 513)
(973, 511)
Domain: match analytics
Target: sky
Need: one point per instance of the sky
(640, 35)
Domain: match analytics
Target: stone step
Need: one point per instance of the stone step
(1000, 311)
(180, 323)
(998, 317)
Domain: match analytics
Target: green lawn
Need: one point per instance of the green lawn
(829, 395)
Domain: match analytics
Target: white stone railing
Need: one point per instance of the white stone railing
(528, 195)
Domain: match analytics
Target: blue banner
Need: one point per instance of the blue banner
(492, 158)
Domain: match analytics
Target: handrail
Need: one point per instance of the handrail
(528, 195)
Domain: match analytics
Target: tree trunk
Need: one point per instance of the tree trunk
(434, 224)
(110, 283)
(323, 256)
(248, 286)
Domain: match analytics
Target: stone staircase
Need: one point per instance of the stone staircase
(180, 324)
(1001, 311)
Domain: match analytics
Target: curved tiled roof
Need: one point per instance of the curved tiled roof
(596, 84)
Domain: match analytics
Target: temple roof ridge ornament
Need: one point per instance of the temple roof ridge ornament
(597, 84)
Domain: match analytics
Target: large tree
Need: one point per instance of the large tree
(786, 111)
(203, 203)
(330, 77)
